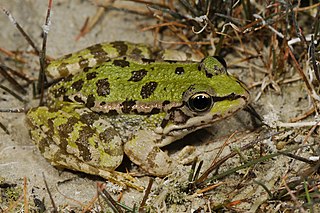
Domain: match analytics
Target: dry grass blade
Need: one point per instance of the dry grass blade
(91, 22)
(3, 71)
(12, 55)
(4, 129)
(107, 197)
(21, 30)
(218, 163)
(25, 196)
(18, 97)
(235, 169)
(145, 197)
(55, 209)
(310, 89)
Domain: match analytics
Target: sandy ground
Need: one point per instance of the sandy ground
(19, 158)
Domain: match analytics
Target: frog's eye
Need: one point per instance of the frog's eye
(200, 102)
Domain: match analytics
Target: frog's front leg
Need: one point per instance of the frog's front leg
(70, 136)
(143, 150)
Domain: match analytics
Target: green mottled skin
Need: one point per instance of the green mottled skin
(123, 103)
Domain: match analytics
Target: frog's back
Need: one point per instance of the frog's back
(94, 55)
(129, 83)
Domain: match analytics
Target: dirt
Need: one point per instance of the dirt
(20, 159)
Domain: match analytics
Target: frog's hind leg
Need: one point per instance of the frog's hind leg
(75, 138)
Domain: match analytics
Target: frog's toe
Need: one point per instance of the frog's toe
(187, 155)
(122, 179)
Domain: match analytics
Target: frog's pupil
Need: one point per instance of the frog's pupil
(200, 102)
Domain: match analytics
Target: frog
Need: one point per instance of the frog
(120, 98)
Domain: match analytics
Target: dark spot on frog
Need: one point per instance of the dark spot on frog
(68, 127)
(83, 142)
(51, 128)
(103, 103)
(106, 136)
(215, 117)
(171, 61)
(86, 69)
(138, 75)
(136, 52)
(148, 89)
(83, 62)
(148, 60)
(164, 123)
(77, 85)
(111, 112)
(63, 70)
(166, 102)
(178, 116)
(89, 118)
(121, 63)
(68, 78)
(54, 109)
(44, 143)
(91, 75)
(103, 87)
(99, 54)
(209, 75)
(59, 92)
(179, 71)
(78, 99)
(121, 47)
(127, 105)
(64, 131)
(66, 98)
(90, 101)
(155, 111)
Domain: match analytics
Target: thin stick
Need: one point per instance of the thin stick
(42, 77)
(24, 34)
(107, 197)
(26, 204)
(146, 194)
(55, 210)
(12, 93)
(3, 71)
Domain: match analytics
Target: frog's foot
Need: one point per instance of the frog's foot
(122, 179)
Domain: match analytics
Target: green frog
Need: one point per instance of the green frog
(116, 98)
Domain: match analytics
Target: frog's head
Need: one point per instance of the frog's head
(205, 101)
